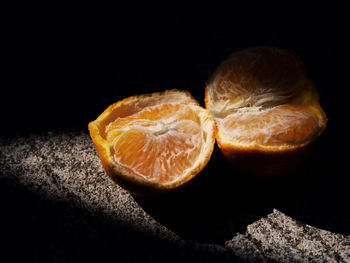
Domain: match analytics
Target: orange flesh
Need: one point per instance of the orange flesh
(281, 125)
(158, 143)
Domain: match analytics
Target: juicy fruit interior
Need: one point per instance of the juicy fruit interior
(263, 97)
(159, 143)
(276, 126)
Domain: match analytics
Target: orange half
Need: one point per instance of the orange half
(266, 109)
(154, 143)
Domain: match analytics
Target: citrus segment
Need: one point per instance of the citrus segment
(282, 125)
(165, 145)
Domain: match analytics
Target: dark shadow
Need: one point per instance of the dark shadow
(320, 195)
(221, 202)
(36, 228)
(216, 205)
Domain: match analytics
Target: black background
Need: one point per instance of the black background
(66, 61)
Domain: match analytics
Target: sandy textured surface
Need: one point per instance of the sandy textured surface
(65, 167)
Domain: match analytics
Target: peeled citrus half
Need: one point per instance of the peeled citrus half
(266, 109)
(154, 143)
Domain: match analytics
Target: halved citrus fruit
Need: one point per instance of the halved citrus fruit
(154, 143)
(266, 109)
